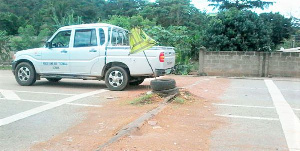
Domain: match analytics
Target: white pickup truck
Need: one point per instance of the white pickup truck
(91, 52)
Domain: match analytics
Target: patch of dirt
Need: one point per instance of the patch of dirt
(186, 126)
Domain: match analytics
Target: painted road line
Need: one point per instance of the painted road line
(249, 106)
(248, 117)
(47, 102)
(289, 121)
(10, 95)
(42, 92)
(46, 107)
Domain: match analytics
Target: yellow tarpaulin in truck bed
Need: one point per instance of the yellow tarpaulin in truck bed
(139, 41)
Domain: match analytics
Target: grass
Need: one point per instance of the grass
(5, 67)
(142, 100)
(179, 100)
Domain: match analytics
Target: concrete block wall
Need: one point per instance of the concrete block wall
(284, 64)
(254, 64)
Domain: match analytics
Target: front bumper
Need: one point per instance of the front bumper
(13, 65)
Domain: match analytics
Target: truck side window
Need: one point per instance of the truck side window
(102, 36)
(61, 39)
(114, 38)
(85, 38)
(126, 39)
(120, 39)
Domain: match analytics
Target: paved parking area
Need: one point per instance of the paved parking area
(45, 109)
(258, 114)
(261, 114)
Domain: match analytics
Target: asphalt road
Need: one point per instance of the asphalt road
(260, 114)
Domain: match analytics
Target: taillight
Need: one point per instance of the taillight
(162, 57)
(14, 57)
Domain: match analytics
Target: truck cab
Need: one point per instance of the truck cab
(91, 52)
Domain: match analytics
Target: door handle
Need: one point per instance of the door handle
(93, 50)
(64, 51)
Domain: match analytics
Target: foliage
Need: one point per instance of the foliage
(129, 22)
(27, 38)
(174, 23)
(240, 4)
(235, 30)
(66, 20)
(9, 22)
(281, 27)
(142, 100)
(4, 47)
(179, 100)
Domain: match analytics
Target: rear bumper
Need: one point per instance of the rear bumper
(160, 72)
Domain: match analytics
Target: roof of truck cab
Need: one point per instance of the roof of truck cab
(89, 25)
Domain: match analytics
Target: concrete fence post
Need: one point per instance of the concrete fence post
(201, 61)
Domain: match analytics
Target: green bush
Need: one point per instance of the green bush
(236, 30)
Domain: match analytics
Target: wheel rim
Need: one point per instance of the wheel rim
(115, 78)
(23, 74)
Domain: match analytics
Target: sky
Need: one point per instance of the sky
(287, 8)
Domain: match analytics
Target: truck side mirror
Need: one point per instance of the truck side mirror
(49, 45)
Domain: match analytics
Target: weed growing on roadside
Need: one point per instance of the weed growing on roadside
(179, 100)
(5, 67)
(142, 100)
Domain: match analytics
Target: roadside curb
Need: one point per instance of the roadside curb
(135, 125)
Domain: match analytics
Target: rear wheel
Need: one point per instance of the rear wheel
(25, 74)
(53, 79)
(116, 78)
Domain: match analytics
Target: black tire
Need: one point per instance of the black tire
(137, 82)
(162, 84)
(116, 78)
(25, 74)
(53, 79)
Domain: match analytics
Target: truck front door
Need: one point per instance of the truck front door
(56, 59)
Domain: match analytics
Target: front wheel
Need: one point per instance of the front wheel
(25, 74)
(116, 78)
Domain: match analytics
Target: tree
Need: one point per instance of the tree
(281, 27)
(9, 22)
(27, 38)
(239, 4)
(4, 47)
(235, 30)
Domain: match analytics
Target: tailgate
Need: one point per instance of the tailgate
(169, 58)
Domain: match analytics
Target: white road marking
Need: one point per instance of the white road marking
(46, 107)
(250, 88)
(248, 117)
(42, 92)
(289, 121)
(47, 102)
(10, 95)
(248, 106)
